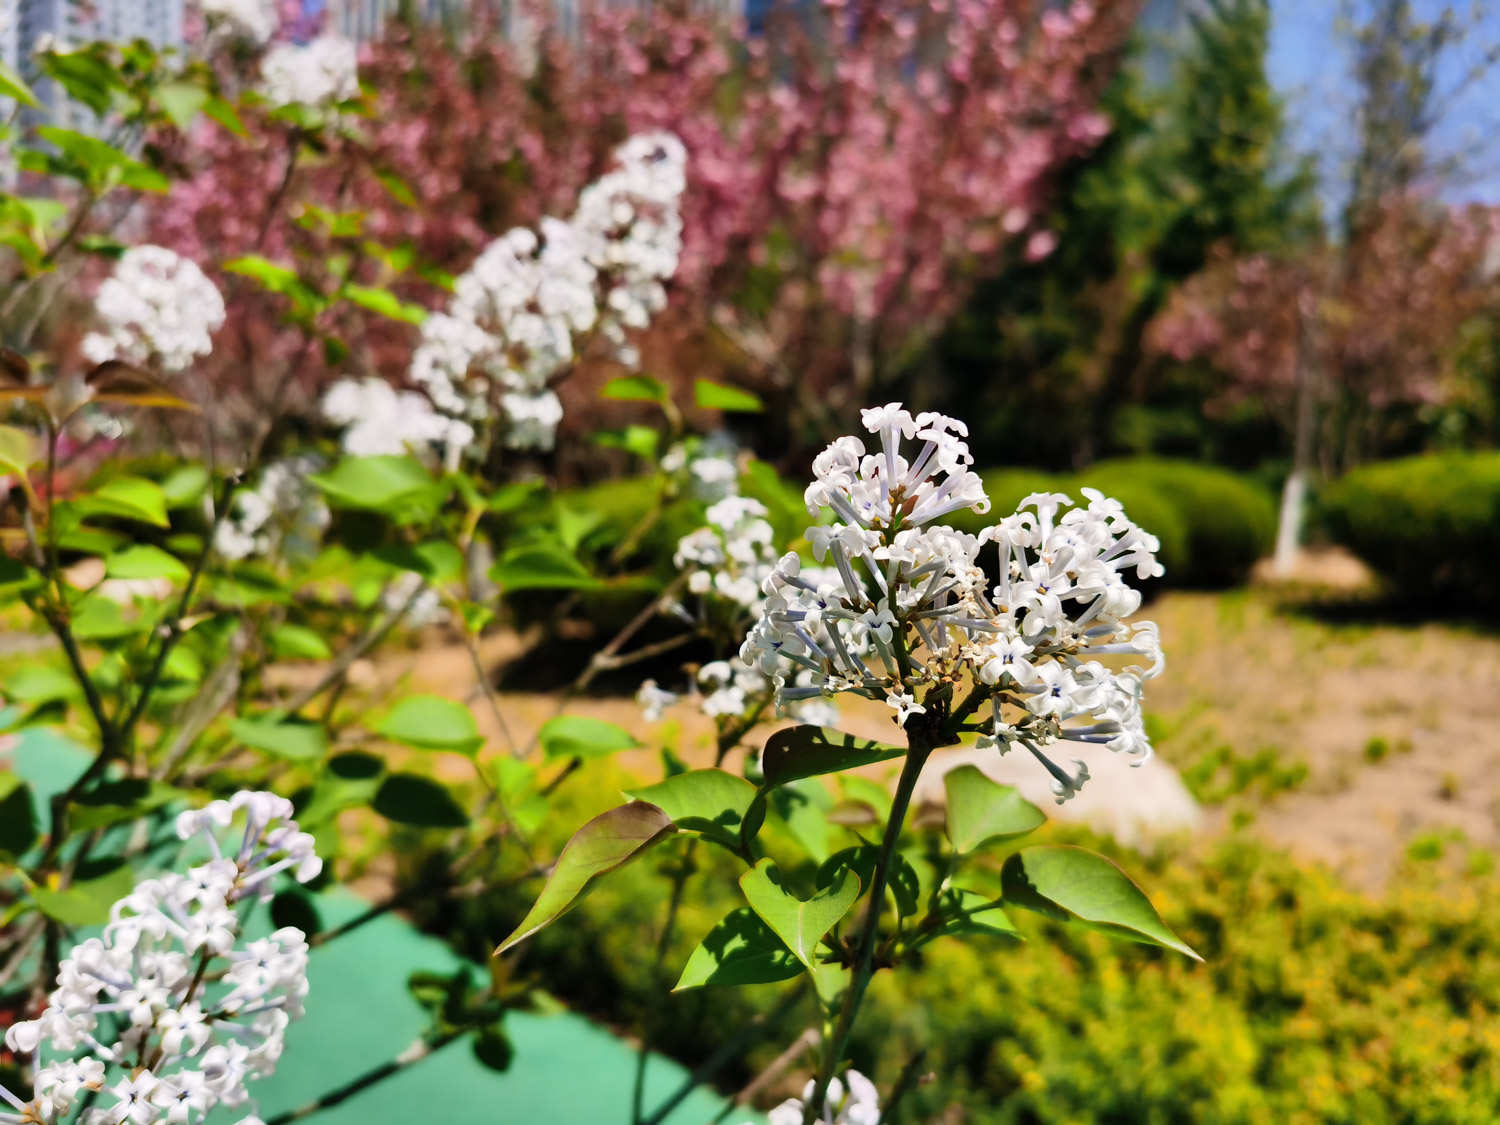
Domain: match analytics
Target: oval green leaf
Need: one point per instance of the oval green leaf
(716, 396)
(982, 811)
(295, 741)
(145, 561)
(741, 949)
(421, 802)
(609, 841)
(430, 722)
(710, 802)
(800, 923)
(578, 736)
(807, 751)
(1074, 884)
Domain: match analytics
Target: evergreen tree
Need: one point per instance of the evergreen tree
(1193, 167)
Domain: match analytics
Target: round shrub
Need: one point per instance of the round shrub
(1430, 525)
(1229, 523)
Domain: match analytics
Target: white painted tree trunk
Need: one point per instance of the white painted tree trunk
(1294, 492)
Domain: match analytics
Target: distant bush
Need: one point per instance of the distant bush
(1213, 525)
(1228, 522)
(1315, 1003)
(1429, 525)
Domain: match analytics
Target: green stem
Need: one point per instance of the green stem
(919, 751)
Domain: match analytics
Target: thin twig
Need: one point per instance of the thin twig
(345, 660)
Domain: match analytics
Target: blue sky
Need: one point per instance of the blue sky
(1309, 67)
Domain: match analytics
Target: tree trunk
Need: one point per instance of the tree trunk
(1294, 492)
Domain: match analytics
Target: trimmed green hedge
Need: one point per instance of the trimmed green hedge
(1229, 522)
(1429, 525)
(1213, 525)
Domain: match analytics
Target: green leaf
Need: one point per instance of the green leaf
(493, 1050)
(293, 740)
(1074, 884)
(430, 722)
(740, 949)
(808, 751)
(981, 811)
(133, 498)
(18, 450)
(376, 483)
(541, 567)
(902, 882)
(271, 275)
(120, 800)
(436, 560)
(609, 841)
(87, 901)
(98, 618)
(184, 485)
(635, 388)
(397, 187)
(14, 87)
(145, 561)
(407, 798)
(710, 802)
(100, 164)
(640, 440)
(349, 780)
(220, 111)
(298, 642)
(18, 826)
(384, 302)
(16, 578)
(39, 683)
(181, 102)
(716, 396)
(800, 923)
(802, 808)
(578, 736)
(295, 907)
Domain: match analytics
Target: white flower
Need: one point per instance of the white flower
(533, 419)
(378, 419)
(316, 74)
(283, 513)
(156, 309)
(165, 982)
(253, 21)
(854, 1101)
(521, 313)
(654, 700)
(906, 605)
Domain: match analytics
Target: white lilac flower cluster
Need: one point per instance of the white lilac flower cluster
(281, 513)
(706, 468)
(378, 419)
(171, 1010)
(316, 74)
(911, 609)
(249, 21)
(725, 563)
(156, 309)
(853, 1101)
(521, 313)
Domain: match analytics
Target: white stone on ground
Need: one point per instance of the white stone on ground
(1131, 803)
